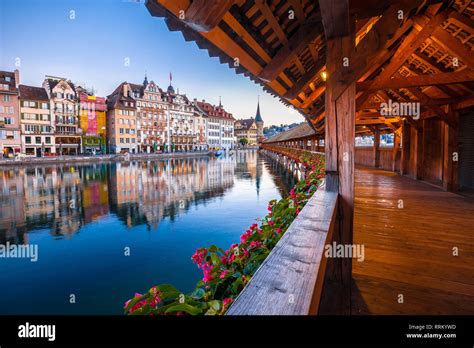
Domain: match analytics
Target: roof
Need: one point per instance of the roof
(287, 57)
(32, 93)
(258, 117)
(4, 75)
(245, 124)
(302, 131)
(53, 82)
(215, 111)
(117, 98)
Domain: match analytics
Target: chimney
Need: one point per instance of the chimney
(17, 78)
(125, 89)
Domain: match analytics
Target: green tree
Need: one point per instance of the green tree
(243, 141)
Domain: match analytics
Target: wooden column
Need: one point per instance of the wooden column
(376, 148)
(339, 149)
(405, 159)
(396, 147)
(419, 153)
(450, 151)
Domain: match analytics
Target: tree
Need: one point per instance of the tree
(243, 141)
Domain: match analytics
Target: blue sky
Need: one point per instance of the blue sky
(92, 48)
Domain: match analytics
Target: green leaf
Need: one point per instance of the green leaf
(184, 307)
(215, 304)
(198, 293)
(215, 259)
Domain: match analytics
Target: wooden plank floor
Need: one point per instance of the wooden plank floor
(409, 250)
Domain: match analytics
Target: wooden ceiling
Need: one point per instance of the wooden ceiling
(280, 44)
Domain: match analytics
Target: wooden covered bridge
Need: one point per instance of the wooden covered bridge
(361, 68)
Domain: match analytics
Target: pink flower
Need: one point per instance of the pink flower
(227, 301)
(245, 236)
(207, 276)
(255, 244)
(223, 274)
(279, 230)
(198, 256)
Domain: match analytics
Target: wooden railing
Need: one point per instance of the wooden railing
(290, 280)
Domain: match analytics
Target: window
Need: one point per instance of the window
(48, 140)
(6, 98)
(8, 120)
(27, 140)
(38, 140)
(44, 106)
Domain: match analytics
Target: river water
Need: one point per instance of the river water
(92, 235)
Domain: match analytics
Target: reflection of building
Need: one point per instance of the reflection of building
(122, 120)
(146, 193)
(12, 212)
(95, 195)
(62, 95)
(10, 141)
(36, 125)
(92, 112)
(68, 215)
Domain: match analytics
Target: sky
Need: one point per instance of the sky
(90, 42)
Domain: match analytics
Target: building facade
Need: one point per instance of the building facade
(182, 129)
(37, 136)
(92, 115)
(64, 113)
(151, 116)
(220, 126)
(246, 129)
(122, 120)
(10, 140)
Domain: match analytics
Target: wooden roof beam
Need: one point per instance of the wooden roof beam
(372, 49)
(289, 52)
(423, 98)
(417, 81)
(307, 78)
(204, 15)
(408, 46)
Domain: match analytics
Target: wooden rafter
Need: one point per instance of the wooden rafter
(417, 81)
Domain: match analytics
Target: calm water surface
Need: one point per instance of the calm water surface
(83, 218)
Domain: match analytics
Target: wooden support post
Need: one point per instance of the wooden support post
(376, 148)
(339, 149)
(450, 157)
(419, 153)
(405, 159)
(396, 147)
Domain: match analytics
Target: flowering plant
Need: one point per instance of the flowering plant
(226, 272)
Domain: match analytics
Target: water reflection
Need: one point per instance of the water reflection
(63, 198)
(82, 217)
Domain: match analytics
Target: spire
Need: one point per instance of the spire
(170, 87)
(145, 81)
(220, 102)
(258, 117)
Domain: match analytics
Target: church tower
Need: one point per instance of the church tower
(259, 122)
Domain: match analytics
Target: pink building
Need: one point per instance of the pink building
(10, 140)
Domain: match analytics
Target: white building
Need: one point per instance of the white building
(220, 126)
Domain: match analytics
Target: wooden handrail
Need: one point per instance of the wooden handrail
(290, 280)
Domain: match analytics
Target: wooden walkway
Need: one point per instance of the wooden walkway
(409, 250)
